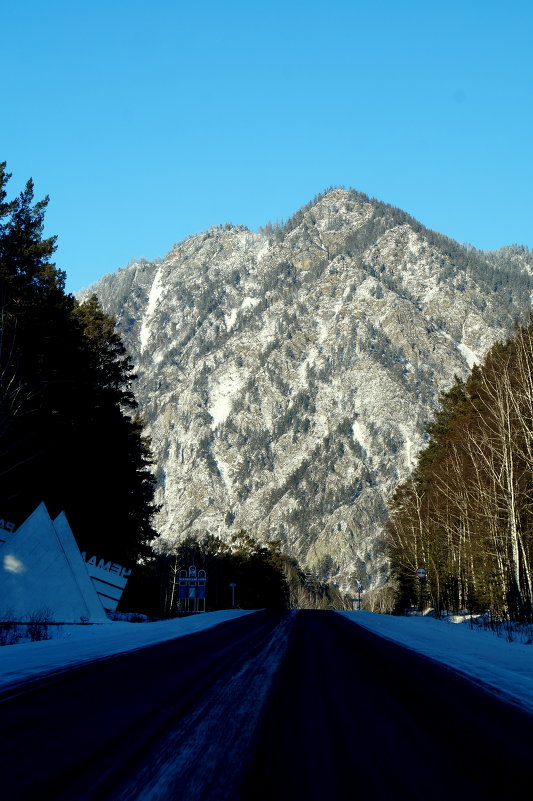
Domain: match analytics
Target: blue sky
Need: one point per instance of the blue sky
(148, 121)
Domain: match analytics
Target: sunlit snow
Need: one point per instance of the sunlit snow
(469, 355)
(358, 435)
(505, 668)
(323, 330)
(153, 297)
(502, 667)
(222, 394)
(410, 452)
(13, 565)
(230, 318)
(249, 303)
(73, 645)
(309, 361)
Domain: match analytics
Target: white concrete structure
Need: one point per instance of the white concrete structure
(109, 580)
(42, 571)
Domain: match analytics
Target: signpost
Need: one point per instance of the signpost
(233, 585)
(191, 589)
(358, 599)
(421, 573)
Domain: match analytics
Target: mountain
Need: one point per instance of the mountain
(287, 376)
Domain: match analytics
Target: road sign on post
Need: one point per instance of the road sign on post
(421, 573)
(191, 589)
(200, 590)
(232, 585)
(358, 599)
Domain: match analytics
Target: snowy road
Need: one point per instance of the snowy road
(294, 706)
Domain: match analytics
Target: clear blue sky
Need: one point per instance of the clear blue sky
(148, 121)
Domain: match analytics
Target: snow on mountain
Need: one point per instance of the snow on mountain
(287, 376)
(155, 293)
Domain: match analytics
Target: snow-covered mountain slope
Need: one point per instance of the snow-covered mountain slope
(286, 376)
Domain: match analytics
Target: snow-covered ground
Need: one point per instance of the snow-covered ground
(72, 645)
(505, 668)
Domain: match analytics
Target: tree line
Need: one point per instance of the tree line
(264, 576)
(69, 434)
(466, 513)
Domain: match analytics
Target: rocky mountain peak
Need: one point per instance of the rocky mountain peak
(287, 375)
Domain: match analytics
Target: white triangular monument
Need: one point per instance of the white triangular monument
(41, 570)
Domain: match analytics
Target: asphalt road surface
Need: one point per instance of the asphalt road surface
(267, 707)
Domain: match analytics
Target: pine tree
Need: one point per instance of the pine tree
(72, 438)
(115, 462)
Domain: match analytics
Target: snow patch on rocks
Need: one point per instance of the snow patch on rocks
(156, 291)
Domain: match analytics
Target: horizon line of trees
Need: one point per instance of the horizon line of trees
(264, 575)
(466, 513)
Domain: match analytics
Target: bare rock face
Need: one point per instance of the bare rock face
(286, 376)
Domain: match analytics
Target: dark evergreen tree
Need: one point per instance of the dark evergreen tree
(264, 576)
(68, 437)
(116, 459)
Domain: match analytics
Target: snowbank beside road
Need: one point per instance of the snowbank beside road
(504, 668)
(72, 645)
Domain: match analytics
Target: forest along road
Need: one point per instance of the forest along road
(303, 705)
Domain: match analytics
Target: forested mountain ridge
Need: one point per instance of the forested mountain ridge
(287, 376)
